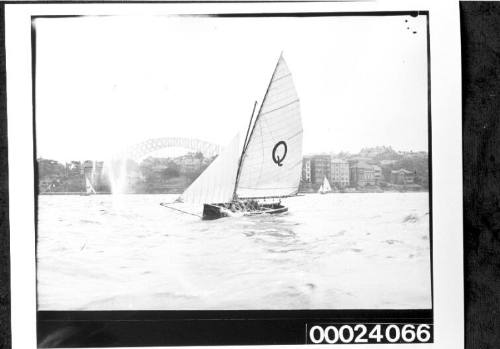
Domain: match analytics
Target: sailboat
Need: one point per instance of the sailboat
(89, 189)
(253, 179)
(325, 187)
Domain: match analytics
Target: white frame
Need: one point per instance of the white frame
(446, 150)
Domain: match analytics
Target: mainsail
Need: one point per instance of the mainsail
(216, 183)
(271, 161)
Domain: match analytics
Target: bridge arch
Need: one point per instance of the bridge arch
(140, 150)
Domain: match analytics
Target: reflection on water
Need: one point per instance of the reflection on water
(328, 252)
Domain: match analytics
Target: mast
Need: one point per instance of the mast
(247, 140)
(248, 129)
(243, 152)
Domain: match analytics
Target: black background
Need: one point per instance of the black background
(481, 170)
(480, 32)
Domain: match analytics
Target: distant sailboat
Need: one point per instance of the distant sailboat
(325, 187)
(269, 164)
(89, 189)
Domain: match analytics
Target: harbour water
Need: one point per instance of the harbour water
(333, 251)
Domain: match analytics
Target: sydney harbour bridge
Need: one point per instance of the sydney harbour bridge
(138, 151)
(118, 170)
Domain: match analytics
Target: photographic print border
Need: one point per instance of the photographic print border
(447, 248)
(217, 327)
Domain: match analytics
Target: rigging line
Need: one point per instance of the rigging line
(283, 76)
(164, 204)
(268, 197)
(245, 144)
(265, 96)
(281, 107)
(248, 129)
(268, 188)
(295, 135)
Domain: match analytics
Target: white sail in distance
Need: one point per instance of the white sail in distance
(216, 183)
(271, 163)
(325, 186)
(88, 186)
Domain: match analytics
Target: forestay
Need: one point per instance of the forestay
(272, 163)
(216, 183)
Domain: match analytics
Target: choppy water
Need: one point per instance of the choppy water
(329, 252)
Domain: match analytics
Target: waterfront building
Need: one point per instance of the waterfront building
(320, 168)
(402, 176)
(361, 174)
(376, 151)
(387, 162)
(306, 169)
(339, 173)
(377, 174)
(101, 182)
(73, 168)
(87, 168)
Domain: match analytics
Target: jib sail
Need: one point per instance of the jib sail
(216, 183)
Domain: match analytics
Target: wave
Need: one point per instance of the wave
(411, 218)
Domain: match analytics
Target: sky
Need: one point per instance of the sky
(105, 83)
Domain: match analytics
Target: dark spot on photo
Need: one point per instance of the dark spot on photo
(311, 286)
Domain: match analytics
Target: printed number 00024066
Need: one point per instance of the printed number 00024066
(369, 333)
